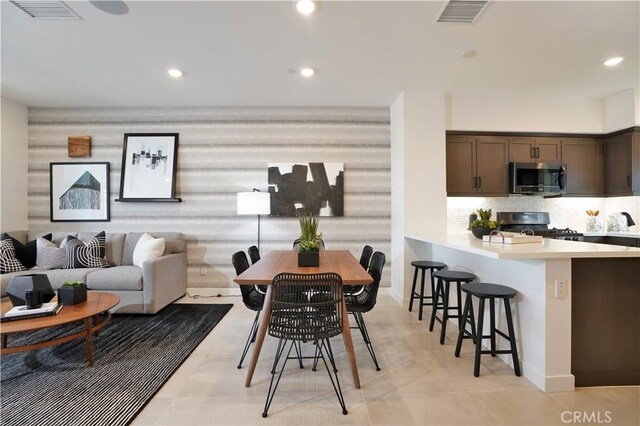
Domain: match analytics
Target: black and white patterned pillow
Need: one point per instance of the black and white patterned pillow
(25, 253)
(86, 255)
(8, 260)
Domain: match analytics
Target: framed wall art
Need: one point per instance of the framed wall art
(79, 192)
(306, 188)
(149, 165)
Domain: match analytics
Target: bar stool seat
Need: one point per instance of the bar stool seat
(423, 265)
(484, 291)
(441, 298)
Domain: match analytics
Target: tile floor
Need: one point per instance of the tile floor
(421, 383)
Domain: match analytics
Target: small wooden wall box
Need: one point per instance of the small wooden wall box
(79, 146)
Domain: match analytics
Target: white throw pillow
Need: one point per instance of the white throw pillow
(148, 248)
(49, 255)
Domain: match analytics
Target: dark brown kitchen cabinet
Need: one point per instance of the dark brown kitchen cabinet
(584, 158)
(535, 150)
(477, 165)
(623, 164)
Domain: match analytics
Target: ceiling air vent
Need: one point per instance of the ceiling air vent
(44, 9)
(461, 11)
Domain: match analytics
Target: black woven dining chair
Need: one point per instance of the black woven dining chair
(254, 254)
(251, 297)
(296, 317)
(365, 258)
(365, 301)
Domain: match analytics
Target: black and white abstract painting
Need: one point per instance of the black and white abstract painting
(149, 163)
(306, 188)
(79, 192)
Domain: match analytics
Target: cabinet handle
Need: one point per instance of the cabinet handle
(537, 152)
(479, 181)
(629, 181)
(475, 182)
(533, 152)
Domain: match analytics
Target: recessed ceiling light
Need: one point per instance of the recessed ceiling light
(175, 73)
(307, 72)
(306, 7)
(613, 61)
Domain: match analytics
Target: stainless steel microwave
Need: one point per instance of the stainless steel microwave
(537, 178)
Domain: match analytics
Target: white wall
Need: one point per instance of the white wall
(13, 165)
(418, 175)
(524, 114)
(620, 111)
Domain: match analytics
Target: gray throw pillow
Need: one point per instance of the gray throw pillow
(49, 255)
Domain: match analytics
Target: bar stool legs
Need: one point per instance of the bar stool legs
(441, 298)
(423, 266)
(488, 292)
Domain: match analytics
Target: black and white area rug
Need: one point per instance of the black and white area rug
(134, 356)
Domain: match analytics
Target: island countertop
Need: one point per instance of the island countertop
(548, 248)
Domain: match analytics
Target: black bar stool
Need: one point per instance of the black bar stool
(423, 265)
(484, 291)
(442, 292)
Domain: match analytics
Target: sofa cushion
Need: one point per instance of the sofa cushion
(8, 260)
(116, 278)
(174, 243)
(89, 255)
(49, 255)
(148, 248)
(25, 253)
(57, 277)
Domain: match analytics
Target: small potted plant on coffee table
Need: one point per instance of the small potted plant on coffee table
(310, 241)
(72, 292)
(483, 225)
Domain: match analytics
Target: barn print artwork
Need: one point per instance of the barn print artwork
(79, 191)
(306, 188)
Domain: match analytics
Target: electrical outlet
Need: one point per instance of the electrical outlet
(203, 271)
(561, 289)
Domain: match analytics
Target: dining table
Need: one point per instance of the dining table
(274, 262)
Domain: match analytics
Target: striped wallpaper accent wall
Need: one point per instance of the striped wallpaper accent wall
(223, 151)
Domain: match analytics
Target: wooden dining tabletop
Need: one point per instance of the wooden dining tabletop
(341, 262)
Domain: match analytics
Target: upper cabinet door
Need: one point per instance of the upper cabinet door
(585, 165)
(619, 164)
(534, 150)
(461, 165)
(492, 165)
(548, 150)
(522, 150)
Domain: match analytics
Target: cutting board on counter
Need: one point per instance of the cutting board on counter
(512, 238)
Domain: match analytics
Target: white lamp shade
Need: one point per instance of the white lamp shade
(254, 203)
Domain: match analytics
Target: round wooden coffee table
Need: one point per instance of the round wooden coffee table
(94, 313)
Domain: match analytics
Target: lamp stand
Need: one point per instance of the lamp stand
(258, 233)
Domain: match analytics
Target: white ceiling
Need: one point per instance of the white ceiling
(365, 53)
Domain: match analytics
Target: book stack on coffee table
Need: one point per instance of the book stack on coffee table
(22, 312)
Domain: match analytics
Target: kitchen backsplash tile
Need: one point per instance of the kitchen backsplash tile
(564, 212)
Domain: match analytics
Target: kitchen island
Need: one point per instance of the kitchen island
(578, 308)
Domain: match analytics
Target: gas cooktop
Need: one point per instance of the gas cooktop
(535, 223)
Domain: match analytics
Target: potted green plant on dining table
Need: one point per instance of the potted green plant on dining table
(310, 241)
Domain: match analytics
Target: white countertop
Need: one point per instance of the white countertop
(548, 248)
(612, 234)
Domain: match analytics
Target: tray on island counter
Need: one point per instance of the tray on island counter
(511, 238)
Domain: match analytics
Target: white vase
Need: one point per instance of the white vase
(594, 224)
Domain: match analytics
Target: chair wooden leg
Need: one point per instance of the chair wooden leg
(413, 288)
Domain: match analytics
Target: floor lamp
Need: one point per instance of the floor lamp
(255, 202)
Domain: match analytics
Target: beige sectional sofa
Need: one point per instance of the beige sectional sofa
(143, 290)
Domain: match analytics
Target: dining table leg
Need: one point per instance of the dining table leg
(348, 345)
(260, 335)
